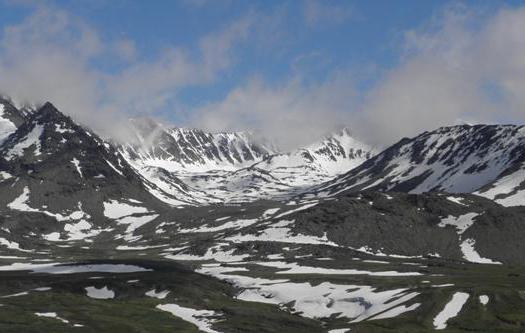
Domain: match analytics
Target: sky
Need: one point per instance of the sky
(289, 70)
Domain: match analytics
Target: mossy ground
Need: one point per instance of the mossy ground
(132, 311)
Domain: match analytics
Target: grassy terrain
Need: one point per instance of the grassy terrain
(132, 311)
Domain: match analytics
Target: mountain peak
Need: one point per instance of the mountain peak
(48, 104)
(50, 113)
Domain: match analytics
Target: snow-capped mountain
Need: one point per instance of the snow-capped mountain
(192, 167)
(165, 156)
(333, 155)
(216, 167)
(63, 176)
(284, 175)
(484, 159)
(191, 150)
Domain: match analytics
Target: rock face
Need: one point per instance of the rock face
(430, 224)
(192, 150)
(333, 155)
(485, 159)
(55, 172)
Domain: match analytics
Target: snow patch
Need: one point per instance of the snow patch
(462, 223)
(160, 295)
(76, 163)
(102, 293)
(484, 299)
(114, 209)
(51, 315)
(321, 300)
(470, 254)
(32, 139)
(457, 200)
(228, 225)
(295, 268)
(450, 310)
(12, 245)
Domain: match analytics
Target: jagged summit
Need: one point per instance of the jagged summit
(49, 112)
(177, 149)
(338, 152)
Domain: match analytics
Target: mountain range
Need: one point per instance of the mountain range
(184, 230)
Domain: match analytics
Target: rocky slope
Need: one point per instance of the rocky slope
(333, 155)
(65, 177)
(484, 159)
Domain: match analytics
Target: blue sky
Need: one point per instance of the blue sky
(279, 67)
(367, 34)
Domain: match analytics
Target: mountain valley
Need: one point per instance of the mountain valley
(182, 230)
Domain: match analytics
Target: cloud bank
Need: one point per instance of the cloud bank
(463, 65)
(292, 114)
(459, 68)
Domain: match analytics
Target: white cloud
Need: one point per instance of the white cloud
(145, 87)
(292, 113)
(420, 95)
(50, 55)
(46, 57)
(326, 12)
(462, 66)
